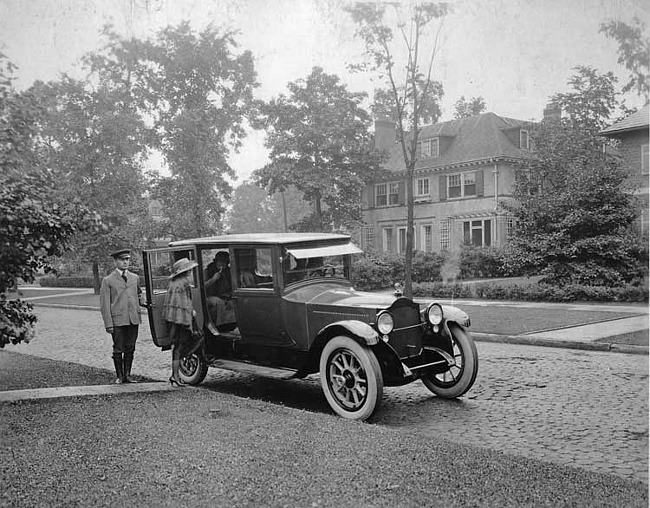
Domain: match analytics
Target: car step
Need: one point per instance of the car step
(256, 370)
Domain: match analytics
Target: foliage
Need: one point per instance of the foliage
(379, 271)
(485, 262)
(320, 143)
(254, 211)
(465, 108)
(199, 92)
(411, 99)
(439, 290)
(633, 53)
(95, 141)
(33, 226)
(51, 281)
(574, 212)
(569, 293)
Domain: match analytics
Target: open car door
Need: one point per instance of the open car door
(158, 265)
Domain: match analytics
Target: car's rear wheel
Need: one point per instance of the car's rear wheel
(193, 368)
(351, 378)
(460, 376)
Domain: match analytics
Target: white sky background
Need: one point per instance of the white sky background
(514, 53)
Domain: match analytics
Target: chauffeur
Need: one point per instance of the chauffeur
(119, 299)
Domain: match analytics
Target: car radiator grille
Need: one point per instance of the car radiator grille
(406, 337)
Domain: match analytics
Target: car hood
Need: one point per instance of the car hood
(336, 294)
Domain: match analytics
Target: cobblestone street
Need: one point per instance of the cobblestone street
(581, 408)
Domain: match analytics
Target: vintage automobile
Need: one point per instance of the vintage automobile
(292, 312)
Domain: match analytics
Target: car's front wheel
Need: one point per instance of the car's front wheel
(460, 376)
(351, 378)
(193, 368)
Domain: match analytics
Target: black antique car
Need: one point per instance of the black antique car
(289, 311)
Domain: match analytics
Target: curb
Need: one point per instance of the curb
(78, 391)
(566, 344)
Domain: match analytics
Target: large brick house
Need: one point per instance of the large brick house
(464, 169)
(632, 132)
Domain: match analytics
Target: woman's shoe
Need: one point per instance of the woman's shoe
(173, 382)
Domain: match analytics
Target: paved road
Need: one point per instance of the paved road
(582, 408)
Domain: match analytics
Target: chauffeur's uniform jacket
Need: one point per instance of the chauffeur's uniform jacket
(119, 299)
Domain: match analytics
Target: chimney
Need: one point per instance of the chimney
(385, 133)
(552, 113)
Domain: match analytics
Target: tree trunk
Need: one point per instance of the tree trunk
(408, 261)
(319, 212)
(96, 281)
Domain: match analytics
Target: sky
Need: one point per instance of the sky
(513, 53)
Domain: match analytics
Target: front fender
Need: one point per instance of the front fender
(363, 333)
(456, 315)
(356, 328)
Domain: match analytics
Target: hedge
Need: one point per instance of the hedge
(52, 281)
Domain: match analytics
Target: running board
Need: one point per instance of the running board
(256, 370)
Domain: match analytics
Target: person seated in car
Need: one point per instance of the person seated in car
(218, 289)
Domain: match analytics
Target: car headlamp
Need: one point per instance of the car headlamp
(385, 323)
(434, 314)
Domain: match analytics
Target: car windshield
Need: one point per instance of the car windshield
(322, 267)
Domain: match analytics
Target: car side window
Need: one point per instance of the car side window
(254, 268)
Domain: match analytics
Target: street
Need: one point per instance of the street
(571, 407)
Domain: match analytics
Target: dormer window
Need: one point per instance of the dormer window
(428, 148)
(524, 141)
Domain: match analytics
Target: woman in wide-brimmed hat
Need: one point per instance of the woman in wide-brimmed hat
(177, 312)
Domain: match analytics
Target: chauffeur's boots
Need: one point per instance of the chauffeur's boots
(119, 368)
(128, 362)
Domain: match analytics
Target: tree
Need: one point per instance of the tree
(414, 97)
(465, 109)
(320, 143)
(199, 93)
(633, 53)
(95, 143)
(33, 225)
(254, 211)
(573, 208)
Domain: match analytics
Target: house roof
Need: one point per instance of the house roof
(474, 139)
(636, 121)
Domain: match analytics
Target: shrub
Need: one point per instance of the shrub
(379, 271)
(568, 293)
(440, 290)
(51, 281)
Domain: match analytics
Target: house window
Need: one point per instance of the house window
(461, 185)
(477, 233)
(393, 193)
(427, 238)
(369, 238)
(387, 194)
(422, 187)
(645, 161)
(445, 239)
(524, 141)
(402, 240)
(428, 148)
(381, 194)
(510, 227)
(388, 240)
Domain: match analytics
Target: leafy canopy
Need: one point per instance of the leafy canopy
(574, 207)
(320, 142)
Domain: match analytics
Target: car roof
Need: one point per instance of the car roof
(263, 238)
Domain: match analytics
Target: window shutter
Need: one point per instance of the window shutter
(401, 193)
(370, 192)
(479, 183)
(442, 187)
